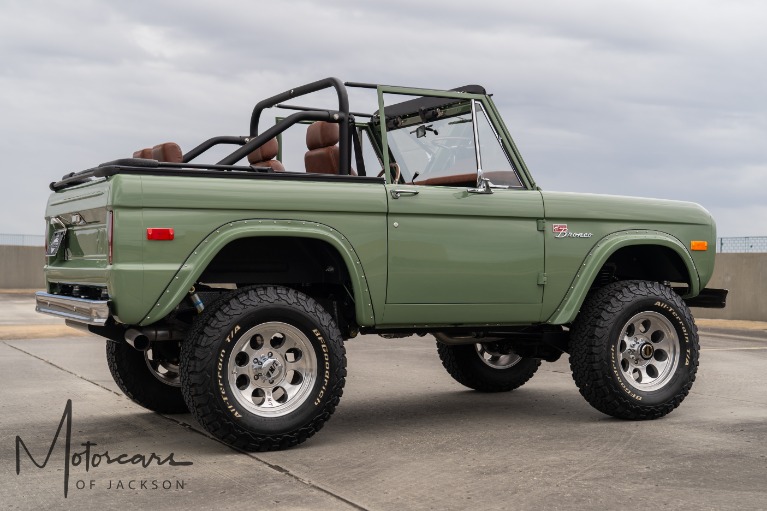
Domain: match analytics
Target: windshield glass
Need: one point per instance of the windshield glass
(437, 148)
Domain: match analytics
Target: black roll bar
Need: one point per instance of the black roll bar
(286, 123)
(343, 119)
(197, 151)
(362, 85)
(313, 109)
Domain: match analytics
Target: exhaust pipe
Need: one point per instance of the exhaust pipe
(137, 339)
(143, 339)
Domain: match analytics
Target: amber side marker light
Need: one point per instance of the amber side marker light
(699, 245)
(159, 233)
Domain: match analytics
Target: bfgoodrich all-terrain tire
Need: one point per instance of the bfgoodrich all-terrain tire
(150, 378)
(486, 367)
(263, 369)
(634, 350)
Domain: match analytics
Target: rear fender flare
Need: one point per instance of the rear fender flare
(211, 245)
(570, 305)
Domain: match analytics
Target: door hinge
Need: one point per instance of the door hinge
(542, 278)
(541, 225)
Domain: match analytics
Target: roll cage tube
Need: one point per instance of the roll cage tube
(211, 142)
(278, 128)
(343, 120)
(227, 163)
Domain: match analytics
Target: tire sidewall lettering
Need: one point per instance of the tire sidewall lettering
(319, 393)
(324, 362)
(684, 332)
(221, 363)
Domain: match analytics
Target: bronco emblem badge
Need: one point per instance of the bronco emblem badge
(561, 231)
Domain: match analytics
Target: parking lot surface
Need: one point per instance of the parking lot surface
(405, 436)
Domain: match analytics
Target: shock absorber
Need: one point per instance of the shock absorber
(196, 300)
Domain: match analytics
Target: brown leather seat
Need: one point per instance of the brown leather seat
(264, 156)
(171, 153)
(322, 141)
(145, 153)
(168, 152)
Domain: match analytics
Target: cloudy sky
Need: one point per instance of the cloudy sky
(662, 98)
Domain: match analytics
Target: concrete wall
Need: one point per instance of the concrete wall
(21, 267)
(745, 275)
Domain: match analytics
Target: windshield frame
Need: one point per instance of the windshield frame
(488, 108)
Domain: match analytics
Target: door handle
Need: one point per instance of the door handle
(397, 192)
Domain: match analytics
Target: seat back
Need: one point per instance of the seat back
(264, 156)
(145, 153)
(323, 154)
(168, 152)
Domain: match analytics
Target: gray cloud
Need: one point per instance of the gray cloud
(635, 98)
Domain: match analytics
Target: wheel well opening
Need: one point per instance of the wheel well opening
(309, 265)
(643, 262)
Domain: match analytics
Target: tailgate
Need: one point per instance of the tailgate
(82, 256)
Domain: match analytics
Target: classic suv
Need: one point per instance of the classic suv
(228, 289)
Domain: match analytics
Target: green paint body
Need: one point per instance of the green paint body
(443, 257)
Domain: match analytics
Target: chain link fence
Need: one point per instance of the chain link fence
(22, 240)
(742, 244)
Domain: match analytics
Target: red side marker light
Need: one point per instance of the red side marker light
(159, 233)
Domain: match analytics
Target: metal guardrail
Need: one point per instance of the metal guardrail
(23, 240)
(742, 244)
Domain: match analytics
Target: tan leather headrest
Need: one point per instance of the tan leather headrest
(266, 152)
(322, 134)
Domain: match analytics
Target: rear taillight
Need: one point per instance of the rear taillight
(110, 234)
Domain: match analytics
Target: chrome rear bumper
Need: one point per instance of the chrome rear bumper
(91, 312)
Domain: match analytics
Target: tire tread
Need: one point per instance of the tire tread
(459, 363)
(133, 376)
(589, 348)
(198, 355)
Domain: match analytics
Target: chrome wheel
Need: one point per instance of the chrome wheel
(490, 366)
(496, 358)
(164, 370)
(272, 369)
(648, 351)
(634, 349)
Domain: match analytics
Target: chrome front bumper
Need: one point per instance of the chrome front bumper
(91, 312)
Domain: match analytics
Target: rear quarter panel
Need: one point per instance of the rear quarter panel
(195, 207)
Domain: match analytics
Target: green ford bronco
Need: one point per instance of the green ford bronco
(228, 289)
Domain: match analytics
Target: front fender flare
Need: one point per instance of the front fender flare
(209, 247)
(570, 305)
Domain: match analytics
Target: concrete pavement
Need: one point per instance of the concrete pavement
(405, 436)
